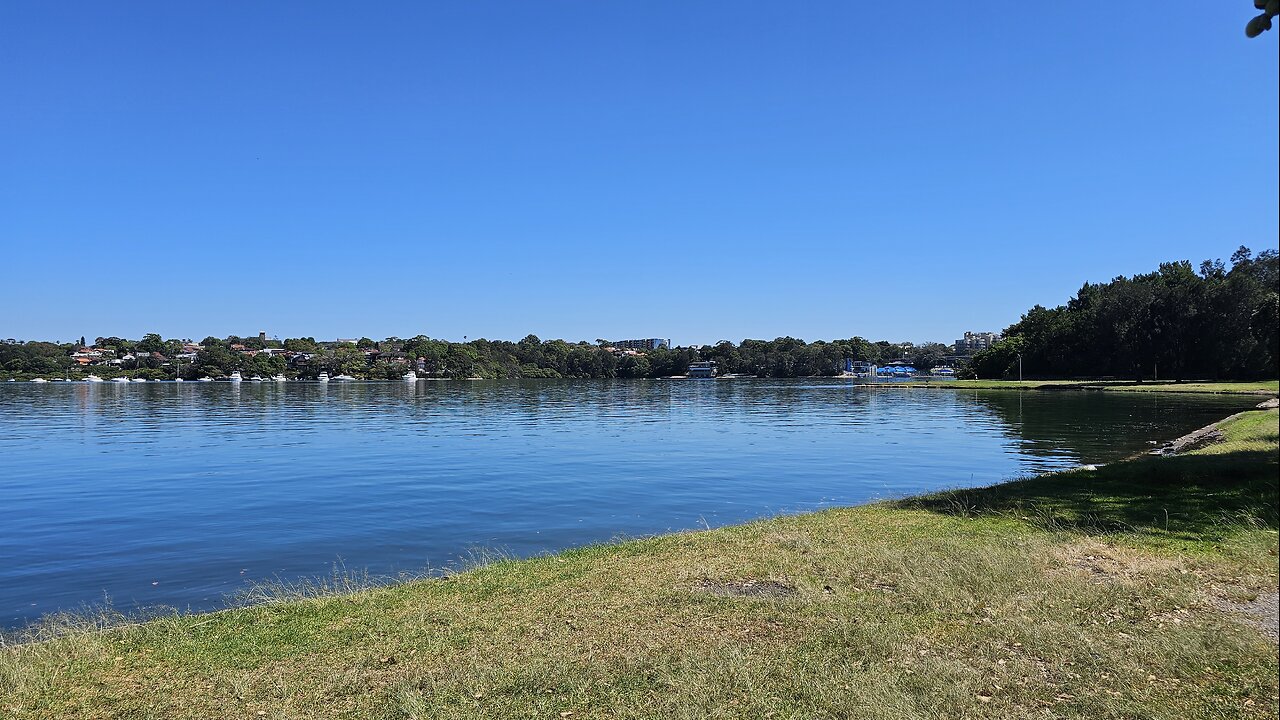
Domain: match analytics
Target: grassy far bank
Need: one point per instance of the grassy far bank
(1130, 591)
(1259, 387)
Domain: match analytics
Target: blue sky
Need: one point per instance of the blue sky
(699, 171)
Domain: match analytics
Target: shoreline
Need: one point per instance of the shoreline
(903, 600)
(1196, 439)
(1268, 388)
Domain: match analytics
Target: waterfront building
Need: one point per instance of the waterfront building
(702, 369)
(645, 344)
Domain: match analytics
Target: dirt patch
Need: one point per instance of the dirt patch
(1262, 612)
(1271, 404)
(1105, 564)
(747, 588)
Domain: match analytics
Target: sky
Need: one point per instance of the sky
(695, 171)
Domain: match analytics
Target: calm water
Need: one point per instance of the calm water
(177, 494)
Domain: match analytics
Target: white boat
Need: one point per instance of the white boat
(11, 380)
(343, 378)
(177, 380)
(278, 377)
(410, 376)
(39, 380)
(323, 377)
(235, 376)
(120, 380)
(139, 379)
(93, 378)
(205, 379)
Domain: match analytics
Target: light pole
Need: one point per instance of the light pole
(1019, 367)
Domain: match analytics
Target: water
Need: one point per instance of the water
(178, 494)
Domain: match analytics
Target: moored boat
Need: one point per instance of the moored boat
(323, 377)
(93, 378)
(410, 376)
(235, 376)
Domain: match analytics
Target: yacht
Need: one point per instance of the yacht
(205, 379)
(278, 377)
(410, 376)
(256, 378)
(39, 380)
(120, 380)
(93, 378)
(139, 379)
(323, 377)
(235, 376)
(343, 378)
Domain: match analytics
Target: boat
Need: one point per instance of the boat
(39, 380)
(11, 380)
(323, 377)
(235, 376)
(205, 379)
(343, 378)
(279, 377)
(177, 380)
(139, 379)
(93, 378)
(256, 378)
(410, 376)
(120, 380)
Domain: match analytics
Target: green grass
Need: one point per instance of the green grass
(1090, 594)
(1260, 387)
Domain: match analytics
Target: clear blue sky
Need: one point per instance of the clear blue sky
(699, 171)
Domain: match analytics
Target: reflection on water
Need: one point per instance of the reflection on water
(176, 494)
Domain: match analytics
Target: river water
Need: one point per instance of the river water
(169, 494)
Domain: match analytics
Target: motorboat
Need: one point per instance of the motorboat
(323, 377)
(39, 380)
(256, 378)
(235, 376)
(205, 379)
(410, 376)
(139, 380)
(279, 377)
(120, 380)
(93, 378)
(177, 380)
(343, 378)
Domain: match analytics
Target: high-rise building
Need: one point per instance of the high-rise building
(975, 341)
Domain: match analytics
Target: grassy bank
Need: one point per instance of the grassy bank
(1260, 387)
(1137, 590)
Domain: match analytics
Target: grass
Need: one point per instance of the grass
(1260, 387)
(1089, 594)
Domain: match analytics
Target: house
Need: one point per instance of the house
(702, 369)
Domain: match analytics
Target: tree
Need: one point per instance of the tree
(1262, 22)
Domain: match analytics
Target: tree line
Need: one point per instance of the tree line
(1178, 322)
